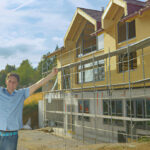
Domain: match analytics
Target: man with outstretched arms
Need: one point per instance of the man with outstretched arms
(11, 107)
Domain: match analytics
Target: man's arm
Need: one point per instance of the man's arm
(43, 81)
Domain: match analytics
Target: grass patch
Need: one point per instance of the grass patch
(144, 139)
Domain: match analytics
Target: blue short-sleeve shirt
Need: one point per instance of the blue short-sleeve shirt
(11, 107)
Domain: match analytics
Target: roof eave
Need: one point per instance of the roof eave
(120, 3)
(55, 52)
(83, 14)
(135, 14)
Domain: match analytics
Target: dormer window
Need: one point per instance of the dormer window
(126, 31)
(86, 43)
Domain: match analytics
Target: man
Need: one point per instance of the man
(11, 107)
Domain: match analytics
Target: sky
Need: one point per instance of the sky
(31, 28)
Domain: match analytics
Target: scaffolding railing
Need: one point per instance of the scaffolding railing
(84, 103)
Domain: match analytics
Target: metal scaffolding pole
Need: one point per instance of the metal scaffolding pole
(82, 72)
(104, 116)
(95, 108)
(45, 101)
(131, 48)
(64, 100)
(108, 85)
(110, 95)
(131, 122)
(143, 70)
(71, 119)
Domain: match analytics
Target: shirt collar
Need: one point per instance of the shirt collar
(6, 92)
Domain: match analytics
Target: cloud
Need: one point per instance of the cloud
(23, 5)
(26, 32)
(19, 49)
(17, 58)
(32, 20)
(31, 28)
(81, 3)
(21, 46)
(58, 40)
(53, 21)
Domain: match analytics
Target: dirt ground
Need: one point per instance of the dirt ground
(43, 140)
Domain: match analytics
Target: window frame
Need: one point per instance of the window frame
(98, 67)
(127, 25)
(66, 78)
(84, 104)
(123, 62)
(115, 113)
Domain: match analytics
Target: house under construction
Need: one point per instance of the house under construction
(103, 83)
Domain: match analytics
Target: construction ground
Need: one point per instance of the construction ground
(45, 139)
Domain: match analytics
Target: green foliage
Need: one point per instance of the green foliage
(2, 77)
(47, 63)
(28, 74)
(9, 68)
(143, 139)
(3, 73)
(56, 47)
(39, 69)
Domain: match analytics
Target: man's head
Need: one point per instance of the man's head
(12, 81)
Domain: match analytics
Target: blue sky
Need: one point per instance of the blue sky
(31, 28)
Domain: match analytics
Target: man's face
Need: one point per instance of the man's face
(11, 83)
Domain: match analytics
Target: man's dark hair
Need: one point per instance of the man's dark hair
(14, 75)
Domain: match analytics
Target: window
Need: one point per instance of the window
(66, 78)
(100, 42)
(138, 108)
(142, 125)
(88, 72)
(123, 62)
(148, 108)
(116, 106)
(86, 43)
(86, 106)
(81, 51)
(122, 29)
(113, 122)
(99, 71)
(128, 105)
(106, 107)
(113, 107)
(131, 26)
(91, 72)
(83, 107)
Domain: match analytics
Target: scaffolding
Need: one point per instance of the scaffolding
(93, 105)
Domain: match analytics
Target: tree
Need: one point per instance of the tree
(3, 73)
(56, 47)
(9, 68)
(27, 74)
(39, 69)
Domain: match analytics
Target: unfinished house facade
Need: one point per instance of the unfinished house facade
(103, 81)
